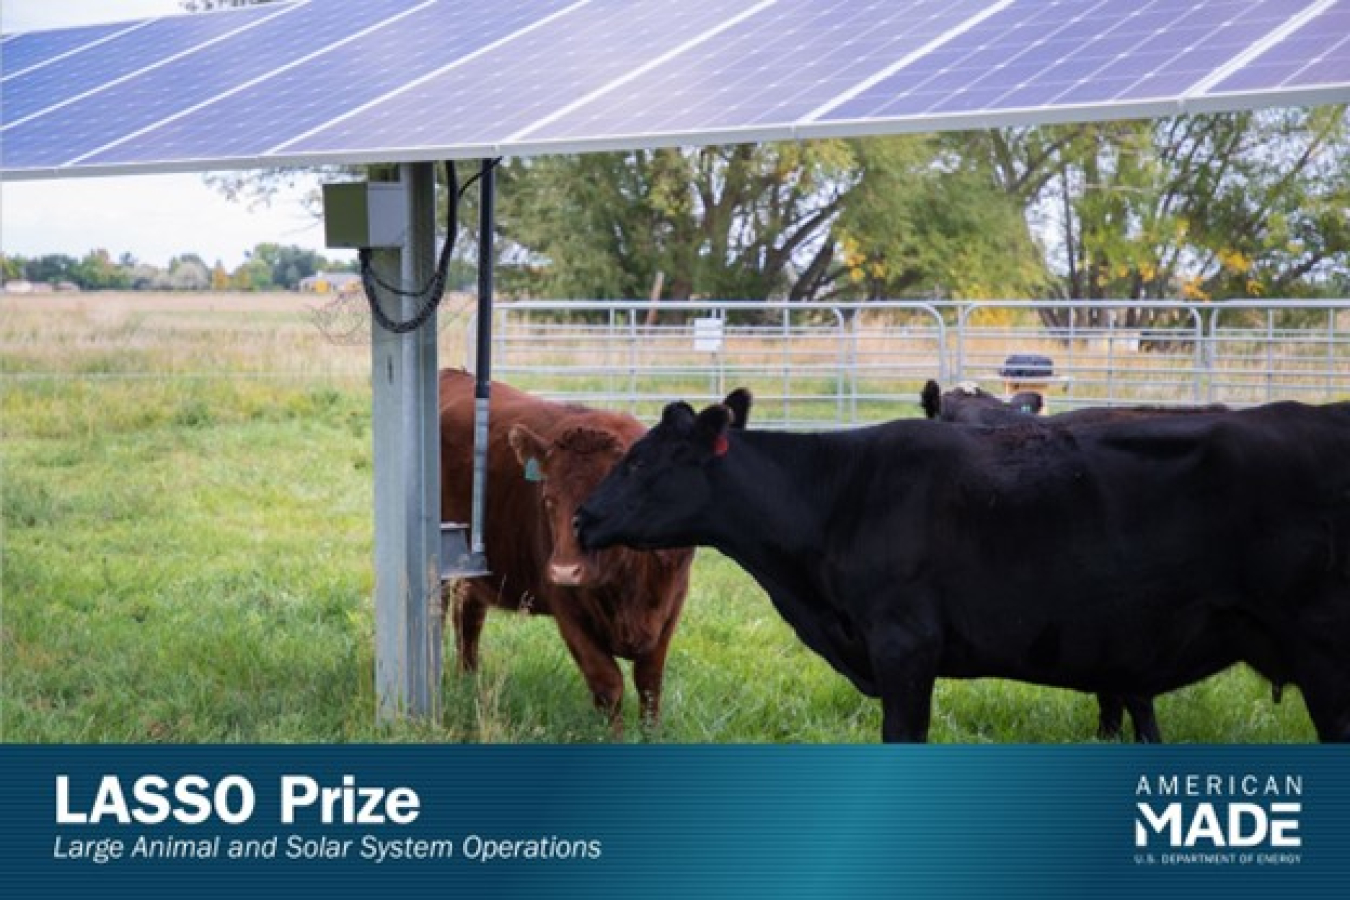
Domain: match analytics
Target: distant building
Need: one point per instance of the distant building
(330, 283)
(23, 286)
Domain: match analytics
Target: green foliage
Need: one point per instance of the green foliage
(287, 265)
(740, 222)
(1195, 207)
(928, 218)
(53, 267)
(269, 266)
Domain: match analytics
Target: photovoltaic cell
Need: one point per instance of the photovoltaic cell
(771, 68)
(40, 89)
(294, 101)
(491, 98)
(1315, 55)
(1075, 52)
(27, 49)
(210, 70)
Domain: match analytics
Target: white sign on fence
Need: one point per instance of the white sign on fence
(708, 335)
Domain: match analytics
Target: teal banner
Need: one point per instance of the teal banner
(676, 822)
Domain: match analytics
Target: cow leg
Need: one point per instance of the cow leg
(469, 615)
(906, 673)
(598, 668)
(1326, 692)
(1110, 716)
(1146, 729)
(1320, 660)
(649, 670)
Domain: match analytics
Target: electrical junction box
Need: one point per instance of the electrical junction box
(364, 214)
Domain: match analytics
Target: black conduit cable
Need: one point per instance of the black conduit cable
(433, 291)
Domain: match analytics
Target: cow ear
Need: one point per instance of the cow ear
(931, 399)
(739, 401)
(711, 426)
(678, 415)
(530, 449)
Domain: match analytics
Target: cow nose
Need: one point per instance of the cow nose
(565, 574)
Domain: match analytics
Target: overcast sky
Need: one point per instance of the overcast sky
(154, 217)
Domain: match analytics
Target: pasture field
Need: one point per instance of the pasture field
(185, 486)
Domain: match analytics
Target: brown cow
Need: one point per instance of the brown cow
(543, 460)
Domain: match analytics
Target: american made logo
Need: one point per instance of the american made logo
(1209, 819)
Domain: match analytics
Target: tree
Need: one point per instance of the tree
(188, 273)
(927, 219)
(52, 267)
(288, 265)
(254, 275)
(739, 222)
(97, 271)
(11, 267)
(1193, 207)
(220, 278)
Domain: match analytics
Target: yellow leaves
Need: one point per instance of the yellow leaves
(1192, 289)
(1255, 288)
(1234, 260)
(859, 264)
(853, 255)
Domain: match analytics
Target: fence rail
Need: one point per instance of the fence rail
(822, 365)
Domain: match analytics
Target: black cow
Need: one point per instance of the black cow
(970, 404)
(1167, 549)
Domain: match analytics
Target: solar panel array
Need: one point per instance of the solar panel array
(318, 81)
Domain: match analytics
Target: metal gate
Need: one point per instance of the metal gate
(820, 365)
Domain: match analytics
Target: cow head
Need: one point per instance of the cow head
(659, 492)
(567, 468)
(970, 404)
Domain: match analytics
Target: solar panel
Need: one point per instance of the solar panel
(594, 46)
(772, 68)
(1315, 55)
(405, 45)
(31, 49)
(128, 54)
(398, 80)
(1071, 53)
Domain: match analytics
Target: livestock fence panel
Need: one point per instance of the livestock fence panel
(1098, 353)
(809, 364)
(1292, 350)
(818, 365)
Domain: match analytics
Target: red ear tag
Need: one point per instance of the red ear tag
(720, 445)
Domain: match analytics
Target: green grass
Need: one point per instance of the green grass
(189, 560)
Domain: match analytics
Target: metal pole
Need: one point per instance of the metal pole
(483, 357)
(408, 620)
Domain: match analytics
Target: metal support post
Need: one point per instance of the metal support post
(408, 613)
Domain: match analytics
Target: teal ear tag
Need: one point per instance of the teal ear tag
(532, 470)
